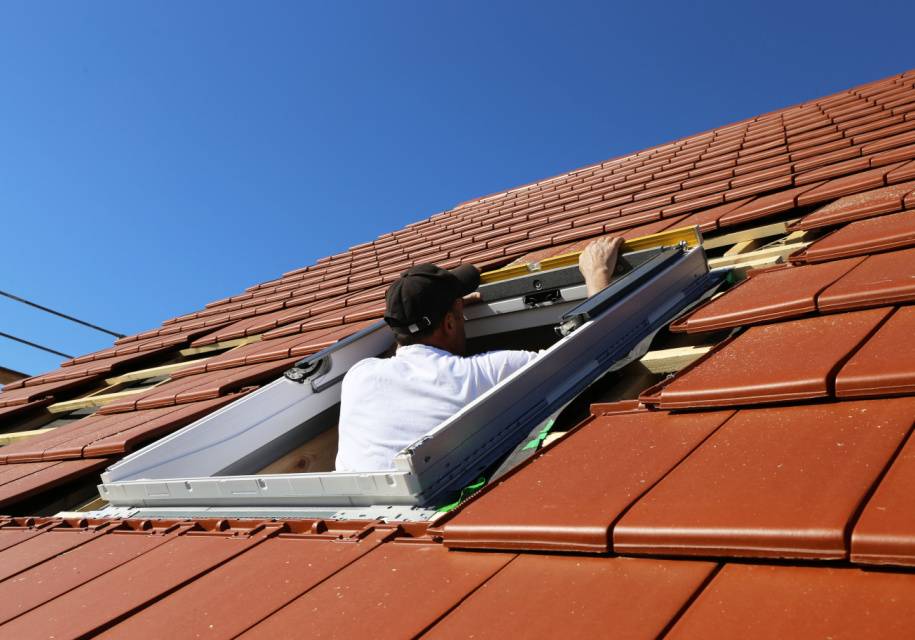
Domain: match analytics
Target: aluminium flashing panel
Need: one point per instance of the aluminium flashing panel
(167, 474)
(386, 513)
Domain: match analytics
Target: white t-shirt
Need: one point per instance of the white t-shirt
(389, 403)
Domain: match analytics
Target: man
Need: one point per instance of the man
(389, 403)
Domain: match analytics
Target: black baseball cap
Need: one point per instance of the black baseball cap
(424, 293)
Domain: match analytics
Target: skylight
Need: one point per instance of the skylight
(228, 460)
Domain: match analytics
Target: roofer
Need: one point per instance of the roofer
(389, 403)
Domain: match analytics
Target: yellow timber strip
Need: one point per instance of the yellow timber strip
(689, 235)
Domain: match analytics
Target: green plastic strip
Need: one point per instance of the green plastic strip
(536, 442)
(466, 492)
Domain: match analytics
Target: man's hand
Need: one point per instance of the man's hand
(598, 261)
(473, 298)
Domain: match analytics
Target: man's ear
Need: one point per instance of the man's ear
(449, 322)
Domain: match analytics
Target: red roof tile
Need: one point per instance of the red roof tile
(389, 581)
(863, 237)
(143, 566)
(754, 602)
(885, 532)
(781, 482)
(840, 186)
(885, 364)
(884, 278)
(217, 605)
(199, 387)
(582, 483)
(772, 294)
(857, 206)
(31, 393)
(765, 364)
(100, 435)
(766, 205)
(540, 596)
(21, 481)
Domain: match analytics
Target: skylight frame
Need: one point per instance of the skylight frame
(424, 470)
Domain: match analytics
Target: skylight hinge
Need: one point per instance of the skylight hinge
(308, 369)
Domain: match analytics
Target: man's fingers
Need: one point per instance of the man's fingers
(473, 298)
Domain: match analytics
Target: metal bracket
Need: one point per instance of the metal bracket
(308, 369)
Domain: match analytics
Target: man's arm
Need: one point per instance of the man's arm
(598, 261)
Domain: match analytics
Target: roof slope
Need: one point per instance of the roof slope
(759, 484)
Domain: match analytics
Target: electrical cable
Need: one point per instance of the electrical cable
(62, 315)
(37, 346)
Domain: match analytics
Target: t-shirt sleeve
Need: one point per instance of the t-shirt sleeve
(495, 366)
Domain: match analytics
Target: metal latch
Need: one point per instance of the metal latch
(542, 298)
(308, 369)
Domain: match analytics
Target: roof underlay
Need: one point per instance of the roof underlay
(752, 494)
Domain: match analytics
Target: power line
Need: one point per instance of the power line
(62, 315)
(37, 346)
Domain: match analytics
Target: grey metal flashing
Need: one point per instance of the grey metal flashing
(384, 513)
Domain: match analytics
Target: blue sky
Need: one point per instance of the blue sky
(157, 156)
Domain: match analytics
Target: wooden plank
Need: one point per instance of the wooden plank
(671, 237)
(744, 246)
(764, 231)
(220, 346)
(626, 384)
(770, 253)
(552, 437)
(94, 504)
(98, 400)
(802, 235)
(152, 372)
(672, 360)
(16, 436)
(318, 454)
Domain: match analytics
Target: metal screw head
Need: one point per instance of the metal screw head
(296, 374)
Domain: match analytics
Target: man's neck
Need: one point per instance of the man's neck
(441, 345)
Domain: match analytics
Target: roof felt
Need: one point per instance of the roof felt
(791, 440)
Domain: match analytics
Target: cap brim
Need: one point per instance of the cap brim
(468, 276)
